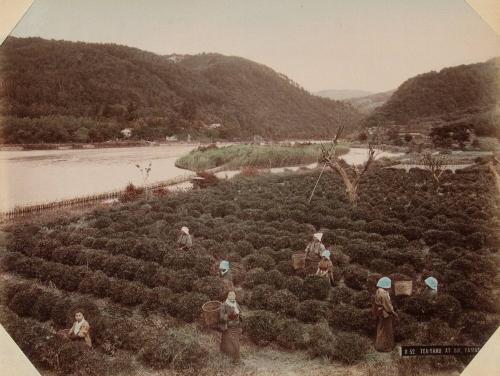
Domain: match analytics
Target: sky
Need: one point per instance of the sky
(372, 45)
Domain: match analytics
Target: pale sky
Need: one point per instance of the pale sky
(371, 45)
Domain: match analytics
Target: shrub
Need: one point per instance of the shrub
(283, 302)
(312, 311)
(406, 328)
(60, 312)
(157, 299)
(254, 277)
(42, 307)
(189, 306)
(171, 349)
(466, 293)
(209, 286)
(181, 280)
(418, 306)
(295, 285)
(286, 268)
(22, 302)
(382, 266)
(316, 287)
(341, 294)
(322, 342)
(293, 335)
(447, 308)
(349, 347)
(362, 299)
(477, 326)
(436, 332)
(274, 278)
(355, 277)
(349, 318)
(256, 260)
(260, 296)
(244, 248)
(262, 327)
(96, 283)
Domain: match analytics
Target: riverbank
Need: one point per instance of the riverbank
(258, 156)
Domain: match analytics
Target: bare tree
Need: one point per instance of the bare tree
(434, 164)
(330, 159)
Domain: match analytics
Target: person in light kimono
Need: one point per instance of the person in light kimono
(230, 325)
(80, 330)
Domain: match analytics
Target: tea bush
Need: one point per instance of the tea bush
(283, 302)
(349, 348)
(311, 311)
(262, 327)
(316, 287)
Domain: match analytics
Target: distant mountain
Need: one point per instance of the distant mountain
(58, 91)
(342, 94)
(465, 94)
(368, 104)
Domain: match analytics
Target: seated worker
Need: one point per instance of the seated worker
(185, 241)
(80, 329)
(325, 267)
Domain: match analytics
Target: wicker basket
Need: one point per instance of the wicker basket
(299, 260)
(211, 312)
(403, 288)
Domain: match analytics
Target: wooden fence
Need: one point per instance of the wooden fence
(91, 199)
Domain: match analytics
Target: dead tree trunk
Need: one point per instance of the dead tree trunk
(330, 159)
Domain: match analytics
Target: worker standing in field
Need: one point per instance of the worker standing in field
(226, 276)
(384, 313)
(185, 240)
(325, 266)
(230, 325)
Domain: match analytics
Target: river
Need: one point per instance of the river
(39, 176)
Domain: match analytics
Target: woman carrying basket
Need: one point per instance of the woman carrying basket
(230, 325)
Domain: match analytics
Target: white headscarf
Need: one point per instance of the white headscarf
(185, 230)
(318, 235)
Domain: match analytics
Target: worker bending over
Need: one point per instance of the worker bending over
(325, 267)
(185, 240)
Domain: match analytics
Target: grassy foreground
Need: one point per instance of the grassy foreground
(267, 156)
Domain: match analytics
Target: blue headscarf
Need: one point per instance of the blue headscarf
(224, 265)
(384, 283)
(432, 283)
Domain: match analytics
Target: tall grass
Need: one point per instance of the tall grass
(266, 156)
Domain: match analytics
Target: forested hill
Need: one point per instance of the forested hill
(465, 88)
(58, 91)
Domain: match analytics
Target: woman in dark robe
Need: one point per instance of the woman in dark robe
(384, 311)
(230, 324)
